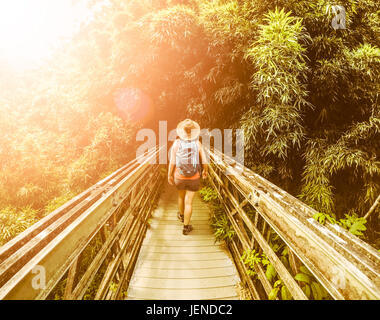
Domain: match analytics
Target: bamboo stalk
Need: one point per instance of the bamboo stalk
(372, 209)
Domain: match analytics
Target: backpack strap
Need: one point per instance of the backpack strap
(195, 154)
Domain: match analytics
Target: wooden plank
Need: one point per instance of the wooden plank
(174, 210)
(185, 273)
(180, 294)
(182, 256)
(173, 216)
(168, 283)
(194, 220)
(166, 249)
(180, 243)
(173, 204)
(184, 264)
(178, 231)
(154, 223)
(180, 237)
(70, 279)
(174, 266)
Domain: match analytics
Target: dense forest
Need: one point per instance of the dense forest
(306, 95)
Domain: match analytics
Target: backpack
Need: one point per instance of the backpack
(187, 158)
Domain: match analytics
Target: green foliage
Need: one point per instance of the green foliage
(108, 140)
(303, 278)
(323, 217)
(353, 223)
(174, 27)
(285, 294)
(305, 94)
(271, 272)
(58, 202)
(283, 74)
(223, 228)
(279, 287)
(61, 129)
(250, 258)
(310, 286)
(208, 194)
(279, 59)
(276, 69)
(113, 287)
(13, 222)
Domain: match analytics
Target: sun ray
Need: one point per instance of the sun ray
(30, 30)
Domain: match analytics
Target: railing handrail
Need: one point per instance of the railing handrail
(56, 241)
(14, 244)
(328, 251)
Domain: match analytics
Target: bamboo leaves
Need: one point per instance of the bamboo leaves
(279, 60)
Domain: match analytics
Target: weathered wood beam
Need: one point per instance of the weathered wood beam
(346, 267)
(55, 255)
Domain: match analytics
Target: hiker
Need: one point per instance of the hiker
(187, 164)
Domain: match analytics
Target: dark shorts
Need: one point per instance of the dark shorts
(187, 184)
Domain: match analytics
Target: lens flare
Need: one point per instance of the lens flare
(133, 104)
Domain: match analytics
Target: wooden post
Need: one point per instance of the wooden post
(372, 209)
(70, 280)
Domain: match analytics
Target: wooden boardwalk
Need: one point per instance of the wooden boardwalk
(172, 266)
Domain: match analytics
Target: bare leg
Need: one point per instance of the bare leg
(181, 201)
(188, 206)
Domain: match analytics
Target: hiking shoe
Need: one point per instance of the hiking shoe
(187, 229)
(180, 216)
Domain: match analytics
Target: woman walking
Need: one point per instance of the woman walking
(187, 164)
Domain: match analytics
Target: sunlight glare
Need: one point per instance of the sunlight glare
(29, 30)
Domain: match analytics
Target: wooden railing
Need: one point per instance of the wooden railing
(345, 266)
(107, 222)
